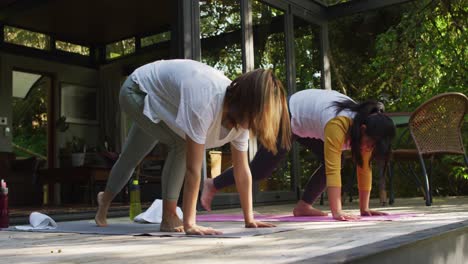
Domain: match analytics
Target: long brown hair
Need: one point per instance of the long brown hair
(258, 97)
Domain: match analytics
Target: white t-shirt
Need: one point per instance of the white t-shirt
(311, 109)
(188, 96)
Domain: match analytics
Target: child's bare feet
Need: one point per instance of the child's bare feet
(304, 209)
(103, 207)
(171, 223)
(208, 193)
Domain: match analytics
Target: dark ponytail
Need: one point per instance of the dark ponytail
(379, 127)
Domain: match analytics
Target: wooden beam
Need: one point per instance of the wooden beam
(357, 6)
(247, 36)
(317, 11)
(325, 58)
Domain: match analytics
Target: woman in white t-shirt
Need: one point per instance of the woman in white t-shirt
(190, 107)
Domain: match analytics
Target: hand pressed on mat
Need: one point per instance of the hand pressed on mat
(201, 230)
(258, 224)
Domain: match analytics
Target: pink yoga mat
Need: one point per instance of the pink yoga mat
(291, 218)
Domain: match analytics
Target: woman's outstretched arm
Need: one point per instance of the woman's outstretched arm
(194, 157)
(243, 179)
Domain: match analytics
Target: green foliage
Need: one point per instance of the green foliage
(120, 48)
(30, 120)
(460, 173)
(26, 38)
(221, 18)
(73, 48)
(34, 140)
(218, 17)
(404, 55)
(307, 52)
(423, 55)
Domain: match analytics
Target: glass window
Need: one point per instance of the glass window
(221, 36)
(308, 74)
(30, 112)
(307, 54)
(221, 48)
(154, 39)
(120, 48)
(270, 53)
(26, 38)
(73, 48)
(269, 39)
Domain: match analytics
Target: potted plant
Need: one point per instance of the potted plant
(77, 149)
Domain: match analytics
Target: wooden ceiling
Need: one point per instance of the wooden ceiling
(99, 22)
(91, 22)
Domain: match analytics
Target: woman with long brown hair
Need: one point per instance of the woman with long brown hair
(190, 107)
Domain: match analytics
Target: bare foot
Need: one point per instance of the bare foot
(171, 223)
(103, 207)
(304, 209)
(208, 193)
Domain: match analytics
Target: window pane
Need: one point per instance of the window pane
(270, 53)
(26, 38)
(29, 106)
(269, 39)
(120, 48)
(153, 39)
(220, 33)
(308, 74)
(307, 52)
(73, 48)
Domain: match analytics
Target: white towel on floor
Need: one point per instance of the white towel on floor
(39, 221)
(154, 213)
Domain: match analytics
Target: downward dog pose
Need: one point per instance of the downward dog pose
(326, 122)
(190, 106)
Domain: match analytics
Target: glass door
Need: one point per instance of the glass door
(269, 35)
(31, 115)
(308, 76)
(221, 48)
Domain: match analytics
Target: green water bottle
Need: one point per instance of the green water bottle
(135, 202)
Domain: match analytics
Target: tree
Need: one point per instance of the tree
(404, 55)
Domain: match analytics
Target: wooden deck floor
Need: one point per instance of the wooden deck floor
(317, 242)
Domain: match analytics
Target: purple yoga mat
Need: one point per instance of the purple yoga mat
(291, 218)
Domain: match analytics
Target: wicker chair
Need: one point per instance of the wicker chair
(435, 128)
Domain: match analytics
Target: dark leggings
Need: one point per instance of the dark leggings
(264, 163)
